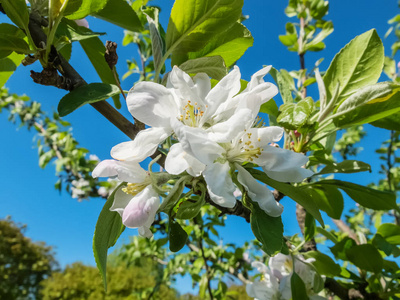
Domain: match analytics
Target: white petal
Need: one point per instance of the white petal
(196, 142)
(152, 104)
(144, 145)
(125, 171)
(262, 137)
(220, 185)
(183, 86)
(259, 193)
(257, 78)
(142, 209)
(178, 161)
(283, 165)
(261, 291)
(281, 265)
(121, 200)
(219, 97)
(224, 132)
(202, 85)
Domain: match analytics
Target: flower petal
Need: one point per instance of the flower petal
(183, 86)
(257, 78)
(224, 132)
(202, 85)
(283, 165)
(144, 145)
(220, 185)
(218, 99)
(129, 171)
(142, 209)
(259, 193)
(152, 104)
(179, 161)
(121, 200)
(196, 142)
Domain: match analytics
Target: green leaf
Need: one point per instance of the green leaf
(293, 116)
(213, 66)
(391, 122)
(340, 249)
(190, 208)
(270, 108)
(316, 44)
(95, 50)
(368, 104)
(285, 84)
(357, 65)
(268, 230)
(295, 193)
(177, 236)
(390, 232)
(74, 32)
(298, 287)
(323, 263)
(326, 198)
(17, 11)
(347, 166)
(8, 65)
(108, 229)
(157, 44)
(365, 196)
(193, 23)
(79, 9)
(230, 44)
(9, 44)
(327, 234)
(382, 244)
(310, 227)
(120, 13)
(85, 94)
(366, 257)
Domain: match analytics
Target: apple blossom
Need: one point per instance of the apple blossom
(137, 203)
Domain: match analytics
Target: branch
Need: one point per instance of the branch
(301, 219)
(72, 79)
(345, 228)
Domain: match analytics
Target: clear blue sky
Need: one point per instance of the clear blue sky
(27, 191)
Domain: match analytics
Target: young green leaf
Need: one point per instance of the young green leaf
(390, 232)
(9, 44)
(108, 229)
(310, 227)
(293, 116)
(177, 236)
(79, 9)
(85, 94)
(120, 13)
(190, 208)
(74, 32)
(323, 263)
(213, 66)
(8, 65)
(268, 230)
(193, 23)
(285, 84)
(357, 65)
(391, 122)
(230, 45)
(95, 50)
(368, 104)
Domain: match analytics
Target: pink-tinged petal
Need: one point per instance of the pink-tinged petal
(144, 145)
(220, 185)
(283, 165)
(152, 104)
(142, 209)
(179, 161)
(225, 132)
(219, 98)
(82, 22)
(125, 171)
(196, 142)
(121, 200)
(259, 193)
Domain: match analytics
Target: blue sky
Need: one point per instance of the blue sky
(27, 191)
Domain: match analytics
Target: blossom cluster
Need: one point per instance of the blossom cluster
(212, 134)
(275, 283)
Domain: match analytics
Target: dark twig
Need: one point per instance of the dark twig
(74, 79)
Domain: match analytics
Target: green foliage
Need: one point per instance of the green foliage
(79, 9)
(88, 93)
(17, 11)
(125, 282)
(177, 236)
(213, 66)
(357, 65)
(108, 229)
(23, 263)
